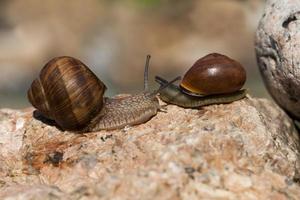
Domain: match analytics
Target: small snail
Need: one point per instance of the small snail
(213, 79)
(69, 93)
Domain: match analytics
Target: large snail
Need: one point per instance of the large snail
(213, 79)
(69, 93)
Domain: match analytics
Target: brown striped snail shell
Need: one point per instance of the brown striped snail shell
(68, 92)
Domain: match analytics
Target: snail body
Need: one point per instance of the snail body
(120, 112)
(174, 95)
(213, 79)
(69, 93)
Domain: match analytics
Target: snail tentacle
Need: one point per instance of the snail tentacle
(146, 72)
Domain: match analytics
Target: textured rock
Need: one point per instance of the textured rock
(278, 52)
(248, 149)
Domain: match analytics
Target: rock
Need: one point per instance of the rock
(248, 149)
(278, 52)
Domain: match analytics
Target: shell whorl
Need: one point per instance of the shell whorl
(67, 92)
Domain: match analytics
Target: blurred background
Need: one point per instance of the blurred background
(113, 38)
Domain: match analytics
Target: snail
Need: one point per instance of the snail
(69, 93)
(213, 79)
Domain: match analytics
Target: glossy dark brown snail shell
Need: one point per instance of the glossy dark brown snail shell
(68, 92)
(214, 74)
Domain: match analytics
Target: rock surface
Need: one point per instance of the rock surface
(278, 52)
(248, 149)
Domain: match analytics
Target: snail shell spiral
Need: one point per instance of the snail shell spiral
(68, 92)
